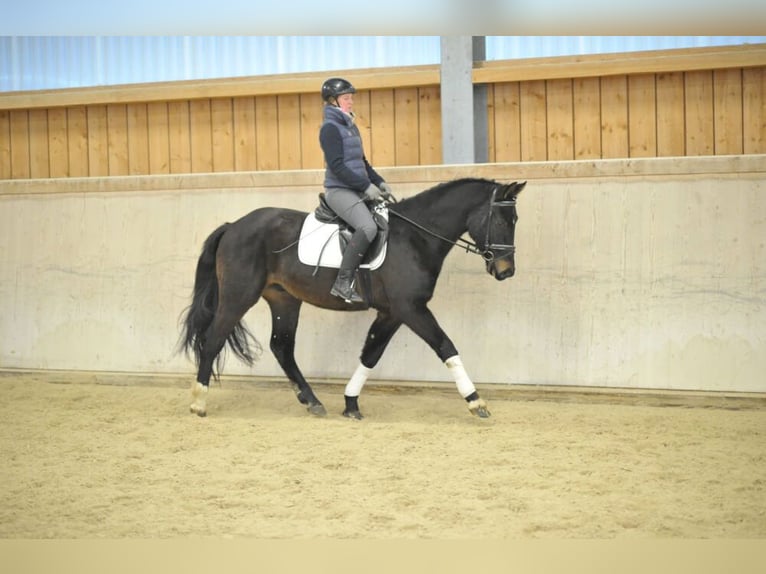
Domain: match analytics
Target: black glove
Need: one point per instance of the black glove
(386, 191)
(372, 193)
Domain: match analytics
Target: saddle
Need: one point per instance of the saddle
(325, 214)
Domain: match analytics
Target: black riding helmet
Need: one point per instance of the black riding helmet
(335, 87)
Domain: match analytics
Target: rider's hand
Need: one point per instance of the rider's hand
(388, 194)
(373, 193)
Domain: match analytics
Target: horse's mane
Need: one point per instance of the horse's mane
(441, 188)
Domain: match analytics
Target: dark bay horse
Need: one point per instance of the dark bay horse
(244, 261)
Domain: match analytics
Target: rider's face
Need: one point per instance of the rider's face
(346, 102)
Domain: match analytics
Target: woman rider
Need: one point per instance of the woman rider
(349, 180)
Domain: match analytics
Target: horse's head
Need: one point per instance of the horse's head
(494, 229)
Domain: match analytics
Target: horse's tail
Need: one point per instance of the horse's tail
(199, 315)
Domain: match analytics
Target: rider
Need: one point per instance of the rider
(349, 180)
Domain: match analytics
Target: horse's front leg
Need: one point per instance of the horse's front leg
(285, 311)
(378, 336)
(424, 324)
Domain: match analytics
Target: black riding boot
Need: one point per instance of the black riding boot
(352, 258)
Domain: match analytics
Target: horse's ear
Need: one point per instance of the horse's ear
(513, 189)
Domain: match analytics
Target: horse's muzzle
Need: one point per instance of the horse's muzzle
(501, 268)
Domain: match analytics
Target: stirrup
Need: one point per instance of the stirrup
(351, 296)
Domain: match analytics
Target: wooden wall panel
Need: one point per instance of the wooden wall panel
(504, 122)
(245, 148)
(614, 117)
(642, 115)
(754, 110)
(670, 115)
(560, 119)
(382, 150)
(533, 124)
(586, 106)
(5, 144)
(98, 141)
(429, 126)
(201, 136)
(267, 134)
(289, 128)
(117, 139)
(77, 141)
(698, 93)
(312, 110)
(58, 148)
(406, 126)
(667, 112)
(138, 139)
(39, 156)
(179, 137)
(222, 134)
(158, 137)
(727, 111)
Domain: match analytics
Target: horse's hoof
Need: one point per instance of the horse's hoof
(317, 410)
(479, 408)
(197, 411)
(356, 415)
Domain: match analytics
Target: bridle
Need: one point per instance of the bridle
(488, 251)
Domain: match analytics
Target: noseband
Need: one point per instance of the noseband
(488, 251)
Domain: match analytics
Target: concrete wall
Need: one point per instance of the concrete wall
(630, 273)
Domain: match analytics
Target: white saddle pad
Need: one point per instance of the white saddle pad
(319, 245)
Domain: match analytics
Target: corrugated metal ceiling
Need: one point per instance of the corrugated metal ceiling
(49, 62)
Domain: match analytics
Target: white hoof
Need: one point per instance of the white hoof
(199, 399)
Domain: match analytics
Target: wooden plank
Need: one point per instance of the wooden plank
(614, 117)
(77, 132)
(266, 132)
(222, 118)
(754, 110)
(533, 121)
(429, 126)
(382, 150)
(406, 126)
(312, 109)
(19, 132)
(642, 116)
(179, 137)
(671, 125)
(698, 93)
(619, 64)
(5, 144)
(98, 141)
(288, 125)
(727, 111)
(39, 152)
(587, 118)
(57, 142)
(158, 137)
(138, 139)
(201, 136)
(505, 123)
(243, 119)
(559, 119)
(117, 121)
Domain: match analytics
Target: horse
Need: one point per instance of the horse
(255, 257)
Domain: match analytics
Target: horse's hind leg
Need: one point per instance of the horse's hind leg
(216, 335)
(285, 311)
